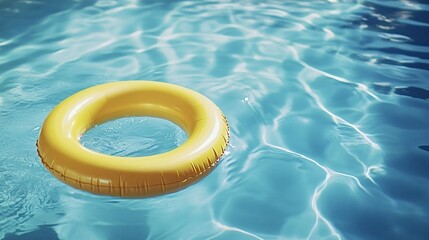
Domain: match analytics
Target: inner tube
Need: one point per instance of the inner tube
(63, 155)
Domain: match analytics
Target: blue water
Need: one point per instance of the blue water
(134, 137)
(328, 104)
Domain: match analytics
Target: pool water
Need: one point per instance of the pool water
(134, 137)
(327, 101)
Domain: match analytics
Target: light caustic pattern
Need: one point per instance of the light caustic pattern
(327, 103)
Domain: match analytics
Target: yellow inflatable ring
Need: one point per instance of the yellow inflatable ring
(63, 155)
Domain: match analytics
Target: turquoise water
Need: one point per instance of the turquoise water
(327, 103)
(134, 137)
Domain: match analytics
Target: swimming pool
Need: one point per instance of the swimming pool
(327, 103)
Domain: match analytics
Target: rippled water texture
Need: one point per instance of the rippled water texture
(328, 103)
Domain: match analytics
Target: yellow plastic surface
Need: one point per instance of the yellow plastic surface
(63, 155)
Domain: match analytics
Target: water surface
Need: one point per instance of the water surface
(327, 100)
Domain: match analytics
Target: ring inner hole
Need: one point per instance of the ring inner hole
(134, 137)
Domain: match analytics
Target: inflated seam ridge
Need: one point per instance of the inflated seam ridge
(146, 185)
